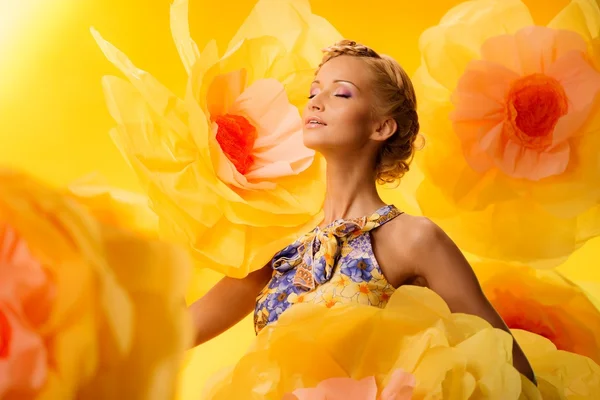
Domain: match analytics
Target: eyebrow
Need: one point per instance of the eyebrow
(340, 80)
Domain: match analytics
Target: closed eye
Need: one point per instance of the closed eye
(346, 96)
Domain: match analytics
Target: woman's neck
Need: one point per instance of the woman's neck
(351, 191)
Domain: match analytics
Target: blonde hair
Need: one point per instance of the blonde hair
(395, 98)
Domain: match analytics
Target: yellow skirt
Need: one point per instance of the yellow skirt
(450, 356)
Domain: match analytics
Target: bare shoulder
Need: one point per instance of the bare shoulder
(404, 248)
(416, 232)
(414, 248)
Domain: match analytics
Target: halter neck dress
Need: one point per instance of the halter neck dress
(329, 265)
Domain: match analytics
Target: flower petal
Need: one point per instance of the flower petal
(458, 37)
(579, 79)
(291, 26)
(399, 387)
(522, 162)
(162, 160)
(180, 29)
(576, 191)
(560, 373)
(340, 389)
(279, 150)
(544, 303)
(223, 92)
(532, 50)
(580, 16)
(353, 341)
(482, 82)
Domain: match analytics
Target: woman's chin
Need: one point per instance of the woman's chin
(314, 140)
(311, 142)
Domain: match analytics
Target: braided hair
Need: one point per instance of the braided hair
(395, 98)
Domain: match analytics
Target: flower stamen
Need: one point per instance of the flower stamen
(536, 103)
(236, 136)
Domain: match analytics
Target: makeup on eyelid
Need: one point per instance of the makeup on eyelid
(339, 93)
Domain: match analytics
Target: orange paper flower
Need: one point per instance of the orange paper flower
(511, 112)
(87, 308)
(544, 303)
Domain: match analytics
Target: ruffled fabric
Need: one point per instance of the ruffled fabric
(451, 356)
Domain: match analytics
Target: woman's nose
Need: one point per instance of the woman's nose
(315, 105)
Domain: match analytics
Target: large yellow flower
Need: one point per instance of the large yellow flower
(544, 303)
(511, 112)
(456, 356)
(224, 166)
(88, 309)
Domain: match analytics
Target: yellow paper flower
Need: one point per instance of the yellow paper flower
(560, 374)
(87, 309)
(224, 166)
(451, 356)
(511, 112)
(544, 303)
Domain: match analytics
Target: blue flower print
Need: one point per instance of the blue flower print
(358, 269)
(319, 270)
(276, 303)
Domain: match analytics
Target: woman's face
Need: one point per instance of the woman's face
(339, 111)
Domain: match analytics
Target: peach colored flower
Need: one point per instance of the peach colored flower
(224, 165)
(26, 294)
(544, 303)
(511, 114)
(520, 107)
(88, 308)
(400, 387)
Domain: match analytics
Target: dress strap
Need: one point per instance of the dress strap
(380, 217)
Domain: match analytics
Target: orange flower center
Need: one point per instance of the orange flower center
(535, 104)
(236, 136)
(5, 335)
(546, 321)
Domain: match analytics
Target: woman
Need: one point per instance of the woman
(361, 116)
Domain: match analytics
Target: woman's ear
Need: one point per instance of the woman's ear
(384, 129)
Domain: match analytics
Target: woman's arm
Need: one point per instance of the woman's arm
(227, 303)
(448, 273)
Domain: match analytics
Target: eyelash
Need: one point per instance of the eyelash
(345, 96)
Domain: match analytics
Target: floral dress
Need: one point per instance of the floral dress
(329, 265)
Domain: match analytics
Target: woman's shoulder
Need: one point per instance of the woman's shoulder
(414, 240)
(414, 231)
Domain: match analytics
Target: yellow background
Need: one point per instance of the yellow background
(54, 123)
